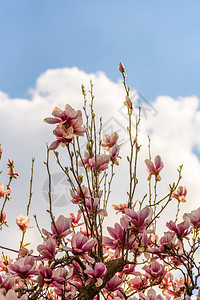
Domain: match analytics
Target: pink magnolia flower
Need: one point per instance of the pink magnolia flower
(154, 169)
(114, 283)
(194, 217)
(80, 244)
(122, 206)
(23, 267)
(86, 162)
(80, 195)
(69, 124)
(180, 194)
(98, 272)
(63, 226)
(136, 220)
(116, 242)
(8, 283)
(11, 295)
(155, 270)
(4, 262)
(75, 219)
(109, 140)
(101, 162)
(22, 222)
(48, 249)
(135, 283)
(151, 295)
(114, 154)
(56, 276)
(92, 205)
(182, 229)
(4, 192)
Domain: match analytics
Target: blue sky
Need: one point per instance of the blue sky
(158, 41)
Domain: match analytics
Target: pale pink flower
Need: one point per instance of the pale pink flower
(22, 222)
(23, 267)
(48, 249)
(109, 140)
(114, 154)
(69, 124)
(75, 219)
(3, 262)
(80, 195)
(154, 169)
(4, 192)
(11, 295)
(92, 205)
(8, 283)
(194, 217)
(98, 272)
(180, 194)
(86, 162)
(120, 207)
(151, 295)
(100, 163)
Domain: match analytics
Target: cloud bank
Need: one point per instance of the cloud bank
(173, 125)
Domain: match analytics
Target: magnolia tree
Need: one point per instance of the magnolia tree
(129, 260)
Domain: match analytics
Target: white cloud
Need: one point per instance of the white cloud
(174, 133)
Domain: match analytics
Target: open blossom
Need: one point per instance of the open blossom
(48, 249)
(180, 194)
(63, 228)
(100, 163)
(135, 283)
(155, 270)
(22, 222)
(23, 267)
(136, 220)
(154, 169)
(194, 217)
(86, 162)
(80, 195)
(81, 244)
(99, 271)
(4, 192)
(182, 229)
(69, 124)
(11, 295)
(75, 219)
(109, 140)
(114, 154)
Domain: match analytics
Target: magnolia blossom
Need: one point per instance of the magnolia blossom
(155, 270)
(22, 222)
(48, 249)
(136, 220)
(194, 217)
(69, 124)
(154, 169)
(114, 283)
(4, 192)
(128, 102)
(63, 228)
(100, 163)
(180, 194)
(11, 171)
(11, 295)
(75, 219)
(81, 194)
(114, 154)
(109, 140)
(99, 271)
(81, 244)
(135, 283)
(85, 161)
(23, 267)
(182, 229)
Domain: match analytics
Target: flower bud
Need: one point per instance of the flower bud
(121, 68)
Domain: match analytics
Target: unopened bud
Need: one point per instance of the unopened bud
(128, 102)
(121, 68)
(83, 89)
